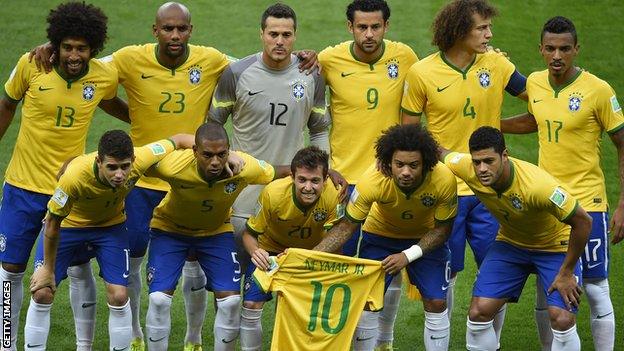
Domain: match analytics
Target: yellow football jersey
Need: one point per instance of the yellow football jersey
(457, 102)
(530, 211)
(166, 101)
(321, 297)
(570, 122)
(365, 99)
(86, 201)
(387, 211)
(195, 207)
(56, 115)
(282, 222)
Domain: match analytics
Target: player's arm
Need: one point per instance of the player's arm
(410, 118)
(617, 221)
(433, 239)
(183, 141)
(309, 60)
(259, 256)
(516, 86)
(519, 124)
(337, 235)
(44, 276)
(117, 108)
(7, 111)
(44, 55)
(565, 281)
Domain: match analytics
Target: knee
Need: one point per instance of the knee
(13, 268)
(160, 302)
(561, 319)
(434, 306)
(253, 305)
(229, 307)
(118, 298)
(479, 313)
(43, 296)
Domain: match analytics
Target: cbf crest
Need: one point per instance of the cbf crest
(393, 69)
(319, 215)
(298, 89)
(230, 187)
(485, 78)
(2, 242)
(428, 200)
(195, 74)
(574, 101)
(150, 274)
(88, 91)
(516, 201)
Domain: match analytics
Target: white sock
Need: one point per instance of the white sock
(17, 295)
(365, 337)
(602, 317)
(195, 300)
(82, 297)
(158, 321)
(227, 323)
(134, 293)
(567, 340)
(480, 336)
(450, 297)
(120, 326)
(542, 318)
(37, 326)
(251, 329)
(437, 331)
(499, 321)
(388, 315)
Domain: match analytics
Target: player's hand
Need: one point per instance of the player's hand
(42, 277)
(234, 165)
(261, 259)
(394, 263)
(497, 50)
(567, 285)
(44, 56)
(309, 61)
(340, 183)
(617, 225)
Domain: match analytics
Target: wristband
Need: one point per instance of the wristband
(413, 253)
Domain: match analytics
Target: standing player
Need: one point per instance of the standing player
(407, 208)
(89, 201)
(292, 212)
(459, 89)
(569, 107)
(543, 230)
(365, 78)
(56, 113)
(195, 216)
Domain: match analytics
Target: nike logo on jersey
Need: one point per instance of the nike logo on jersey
(44, 89)
(343, 74)
(590, 266)
(32, 346)
(88, 304)
(604, 315)
(536, 101)
(143, 76)
(196, 289)
(157, 340)
(254, 93)
(227, 341)
(442, 89)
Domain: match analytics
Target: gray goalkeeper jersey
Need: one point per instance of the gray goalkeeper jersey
(270, 110)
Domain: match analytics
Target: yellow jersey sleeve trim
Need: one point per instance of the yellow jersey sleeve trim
(219, 104)
(576, 205)
(56, 214)
(354, 220)
(411, 113)
(173, 143)
(11, 99)
(616, 129)
(320, 111)
(252, 230)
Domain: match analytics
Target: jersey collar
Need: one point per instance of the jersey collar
(408, 194)
(455, 68)
(512, 176)
(372, 63)
(70, 80)
(187, 53)
(558, 88)
(299, 205)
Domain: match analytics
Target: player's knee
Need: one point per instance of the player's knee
(117, 297)
(160, 302)
(253, 305)
(434, 305)
(13, 268)
(480, 313)
(229, 306)
(43, 296)
(561, 319)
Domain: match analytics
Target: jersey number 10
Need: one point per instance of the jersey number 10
(326, 308)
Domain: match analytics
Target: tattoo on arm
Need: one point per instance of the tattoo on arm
(337, 236)
(435, 237)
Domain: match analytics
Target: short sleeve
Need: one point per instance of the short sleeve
(360, 201)
(446, 208)
(608, 110)
(319, 119)
(19, 80)
(224, 97)
(414, 93)
(65, 194)
(148, 155)
(259, 221)
(460, 164)
(557, 201)
(256, 171)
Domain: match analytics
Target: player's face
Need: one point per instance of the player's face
(308, 184)
(479, 36)
(489, 166)
(559, 52)
(211, 158)
(74, 54)
(407, 169)
(368, 29)
(278, 38)
(173, 31)
(113, 171)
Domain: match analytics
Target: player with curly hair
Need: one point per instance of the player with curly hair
(56, 112)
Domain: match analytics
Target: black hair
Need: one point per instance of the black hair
(559, 25)
(310, 157)
(368, 6)
(78, 20)
(278, 10)
(409, 137)
(211, 130)
(116, 144)
(485, 138)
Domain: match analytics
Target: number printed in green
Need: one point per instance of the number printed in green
(469, 110)
(407, 214)
(327, 303)
(207, 205)
(302, 232)
(176, 106)
(372, 97)
(64, 116)
(553, 130)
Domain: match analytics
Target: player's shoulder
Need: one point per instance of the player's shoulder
(538, 76)
(427, 63)
(241, 65)
(529, 174)
(134, 50)
(205, 51)
(338, 50)
(594, 81)
(81, 166)
(103, 67)
(441, 173)
(279, 186)
(397, 48)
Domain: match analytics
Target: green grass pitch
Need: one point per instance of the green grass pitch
(233, 28)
